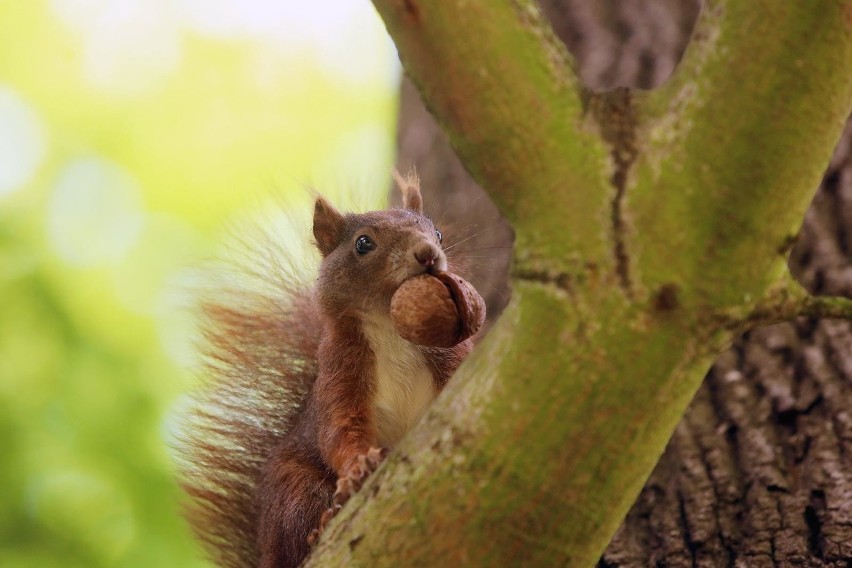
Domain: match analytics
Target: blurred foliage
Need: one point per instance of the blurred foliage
(127, 170)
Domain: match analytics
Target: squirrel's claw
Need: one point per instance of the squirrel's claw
(357, 473)
(375, 456)
(348, 485)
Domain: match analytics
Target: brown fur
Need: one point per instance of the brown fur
(287, 431)
(343, 393)
(444, 362)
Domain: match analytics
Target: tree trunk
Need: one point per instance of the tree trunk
(648, 232)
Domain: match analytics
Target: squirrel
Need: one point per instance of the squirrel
(312, 387)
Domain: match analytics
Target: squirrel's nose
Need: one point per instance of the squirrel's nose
(426, 257)
(430, 257)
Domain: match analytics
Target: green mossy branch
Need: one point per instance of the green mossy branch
(830, 307)
(785, 302)
(734, 147)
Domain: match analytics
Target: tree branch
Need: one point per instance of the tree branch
(504, 90)
(787, 302)
(832, 307)
(721, 136)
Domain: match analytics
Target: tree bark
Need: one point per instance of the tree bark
(540, 445)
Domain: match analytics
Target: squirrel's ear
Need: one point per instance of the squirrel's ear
(409, 187)
(328, 226)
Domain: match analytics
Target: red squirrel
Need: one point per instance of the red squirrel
(313, 388)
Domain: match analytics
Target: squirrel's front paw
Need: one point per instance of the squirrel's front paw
(357, 473)
(348, 485)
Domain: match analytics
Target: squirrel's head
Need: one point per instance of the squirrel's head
(366, 256)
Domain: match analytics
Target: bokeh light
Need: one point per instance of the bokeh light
(127, 45)
(94, 213)
(22, 141)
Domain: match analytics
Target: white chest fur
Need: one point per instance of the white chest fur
(404, 384)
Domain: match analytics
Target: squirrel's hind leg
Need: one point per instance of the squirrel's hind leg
(293, 493)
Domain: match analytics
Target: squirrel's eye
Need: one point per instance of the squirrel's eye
(364, 244)
(439, 235)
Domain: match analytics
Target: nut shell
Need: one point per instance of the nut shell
(439, 310)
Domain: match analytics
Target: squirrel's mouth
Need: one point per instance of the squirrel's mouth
(440, 265)
(434, 269)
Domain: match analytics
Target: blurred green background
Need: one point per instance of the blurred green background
(131, 132)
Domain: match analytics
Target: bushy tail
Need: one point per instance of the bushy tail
(260, 342)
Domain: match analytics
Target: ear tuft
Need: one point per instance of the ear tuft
(328, 226)
(409, 187)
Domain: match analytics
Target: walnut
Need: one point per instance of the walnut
(439, 310)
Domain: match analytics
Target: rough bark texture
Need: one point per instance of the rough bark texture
(759, 471)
